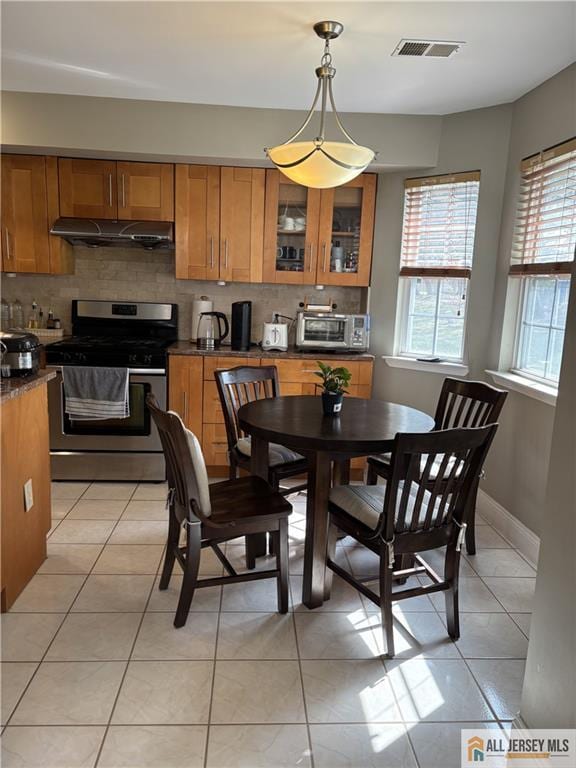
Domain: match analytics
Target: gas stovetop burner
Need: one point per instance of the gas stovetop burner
(113, 334)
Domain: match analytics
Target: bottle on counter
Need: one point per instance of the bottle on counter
(5, 315)
(18, 315)
(50, 320)
(33, 317)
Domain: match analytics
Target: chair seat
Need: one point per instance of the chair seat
(277, 454)
(365, 503)
(246, 497)
(383, 462)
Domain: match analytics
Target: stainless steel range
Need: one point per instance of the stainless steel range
(134, 335)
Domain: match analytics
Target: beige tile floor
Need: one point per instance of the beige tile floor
(94, 674)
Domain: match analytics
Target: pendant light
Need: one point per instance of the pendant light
(320, 163)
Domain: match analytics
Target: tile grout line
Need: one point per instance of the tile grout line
(209, 720)
(66, 614)
(117, 696)
(308, 733)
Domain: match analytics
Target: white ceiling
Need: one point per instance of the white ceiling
(263, 54)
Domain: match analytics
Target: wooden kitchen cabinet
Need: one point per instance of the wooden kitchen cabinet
(197, 222)
(145, 191)
(88, 188)
(291, 222)
(296, 377)
(106, 189)
(329, 239)
(219, 223)
(25, 459)
(241, 224)
(345, 232)
(29, 207)
(185, 390)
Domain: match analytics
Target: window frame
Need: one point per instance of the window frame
(404, 314)
(440, 273)
(528, 271)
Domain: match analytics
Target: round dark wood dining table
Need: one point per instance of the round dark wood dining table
(364, 427)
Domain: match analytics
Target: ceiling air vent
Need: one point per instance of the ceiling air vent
(440, 49)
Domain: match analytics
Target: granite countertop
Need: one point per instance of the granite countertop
(19, 385)
(188, 348)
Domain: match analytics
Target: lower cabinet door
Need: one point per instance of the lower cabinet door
(185, 391)
(215, 445)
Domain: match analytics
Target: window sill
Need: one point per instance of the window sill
(410, 363)
(525, 386)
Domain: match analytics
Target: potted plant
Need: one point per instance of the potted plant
(334, 383)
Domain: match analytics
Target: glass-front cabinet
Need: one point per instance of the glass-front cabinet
(317, 236)
(290, 231)
(345, 232)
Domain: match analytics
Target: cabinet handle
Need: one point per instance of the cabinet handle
(323, 257)
(226, 253)
(110, 190)
(211, 253)
(185, 396)
(310, 262)
(123, 192)
(8, 254)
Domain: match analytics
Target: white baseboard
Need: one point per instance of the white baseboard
(508, 526)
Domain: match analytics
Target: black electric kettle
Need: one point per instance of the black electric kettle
(210, 334)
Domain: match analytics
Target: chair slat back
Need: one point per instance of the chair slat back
(241, 385)
(468, 404)
(180, 471)
(432, 478)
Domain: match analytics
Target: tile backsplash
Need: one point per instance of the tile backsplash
(137, 275)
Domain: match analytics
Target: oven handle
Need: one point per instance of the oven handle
(131, 371)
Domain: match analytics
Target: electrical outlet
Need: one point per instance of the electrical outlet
(28, 495)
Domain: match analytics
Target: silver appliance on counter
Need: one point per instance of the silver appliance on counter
(133, 335)
(332, 331)
(20, 353)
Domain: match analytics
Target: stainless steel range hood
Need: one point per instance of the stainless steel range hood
(108, 233)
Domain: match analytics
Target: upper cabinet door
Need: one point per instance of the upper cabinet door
(88, 188)
(197, 222)
(290, 231)
(25, 239)
(242, 224)
(346, 232)
(145, 191)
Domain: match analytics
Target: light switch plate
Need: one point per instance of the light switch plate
(28, 495)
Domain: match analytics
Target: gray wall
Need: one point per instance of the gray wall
(86, 125)
(493, 141)
(549, 694)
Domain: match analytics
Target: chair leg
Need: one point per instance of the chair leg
(330, 555)
(282, 555)
(386, 602)
(232, 469)
(471, 527)
(170, 556)
(193, 550)
(371, 476)
(451, 573)
(271, 539)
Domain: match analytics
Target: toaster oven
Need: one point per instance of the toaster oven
(328, 330)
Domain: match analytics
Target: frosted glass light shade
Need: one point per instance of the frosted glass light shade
(329, 165)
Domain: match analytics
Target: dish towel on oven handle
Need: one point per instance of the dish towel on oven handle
(95, 393)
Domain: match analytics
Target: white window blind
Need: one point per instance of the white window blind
(439, 225)
(545, 232)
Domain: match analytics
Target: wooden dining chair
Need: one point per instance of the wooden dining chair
(424, 504)
(213, 514)
(461, 404)
(236, 387)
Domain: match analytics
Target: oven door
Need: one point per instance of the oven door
(135, 433)
(319, 332)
